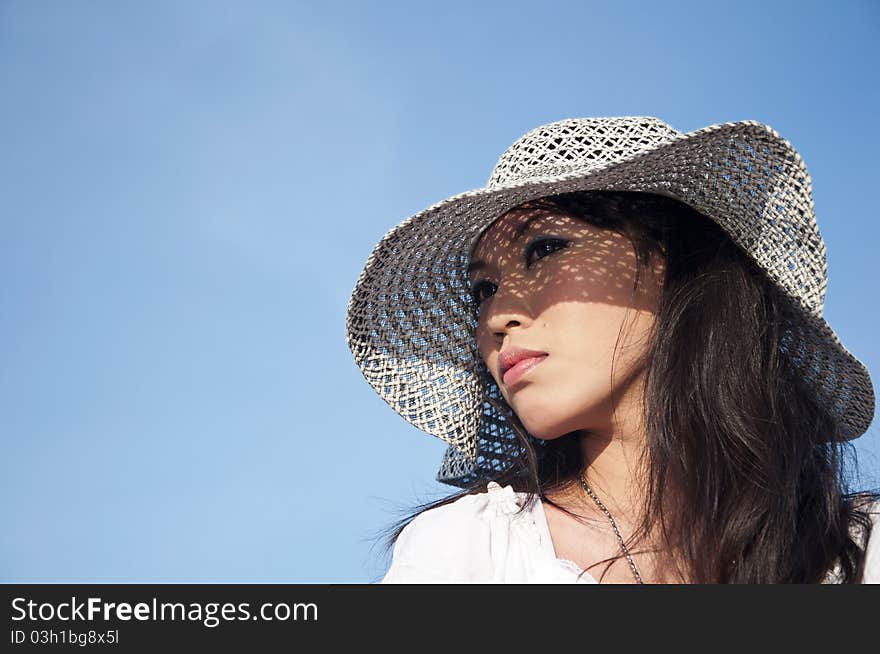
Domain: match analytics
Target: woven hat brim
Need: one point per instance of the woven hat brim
(410, 318)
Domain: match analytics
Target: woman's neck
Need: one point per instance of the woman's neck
(614, 470)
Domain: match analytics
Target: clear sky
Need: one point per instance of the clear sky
(189, 191)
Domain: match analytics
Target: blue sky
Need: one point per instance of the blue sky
(190, 190)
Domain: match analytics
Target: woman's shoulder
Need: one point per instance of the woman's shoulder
(470, 514)
(870, 506)
(872, 551)
(452, 542)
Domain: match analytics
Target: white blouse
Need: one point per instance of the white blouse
(480, 539)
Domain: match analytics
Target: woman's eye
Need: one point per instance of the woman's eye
(479, 287)
(542, 247)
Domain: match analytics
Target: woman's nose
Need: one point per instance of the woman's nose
(507, 310)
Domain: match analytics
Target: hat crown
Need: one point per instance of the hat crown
(578, 145)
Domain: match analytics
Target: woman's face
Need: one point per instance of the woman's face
(551, 283)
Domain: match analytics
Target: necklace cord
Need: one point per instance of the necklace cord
(607, 513)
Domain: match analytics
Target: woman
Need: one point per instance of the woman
(621, 338)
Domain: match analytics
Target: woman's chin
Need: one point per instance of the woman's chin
(544, 431)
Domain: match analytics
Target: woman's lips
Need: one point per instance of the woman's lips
(522, 367)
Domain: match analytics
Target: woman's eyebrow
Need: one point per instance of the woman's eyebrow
(478, 264)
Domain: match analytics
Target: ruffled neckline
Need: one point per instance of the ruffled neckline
(503, 498)
(507, 501)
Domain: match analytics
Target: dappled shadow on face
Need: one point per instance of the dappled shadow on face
(596, 265)
(552, 283)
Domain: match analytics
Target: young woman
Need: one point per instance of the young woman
(621, 338)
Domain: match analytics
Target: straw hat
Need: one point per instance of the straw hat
(411, 317)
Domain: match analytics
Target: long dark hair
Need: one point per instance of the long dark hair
(757, 466)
